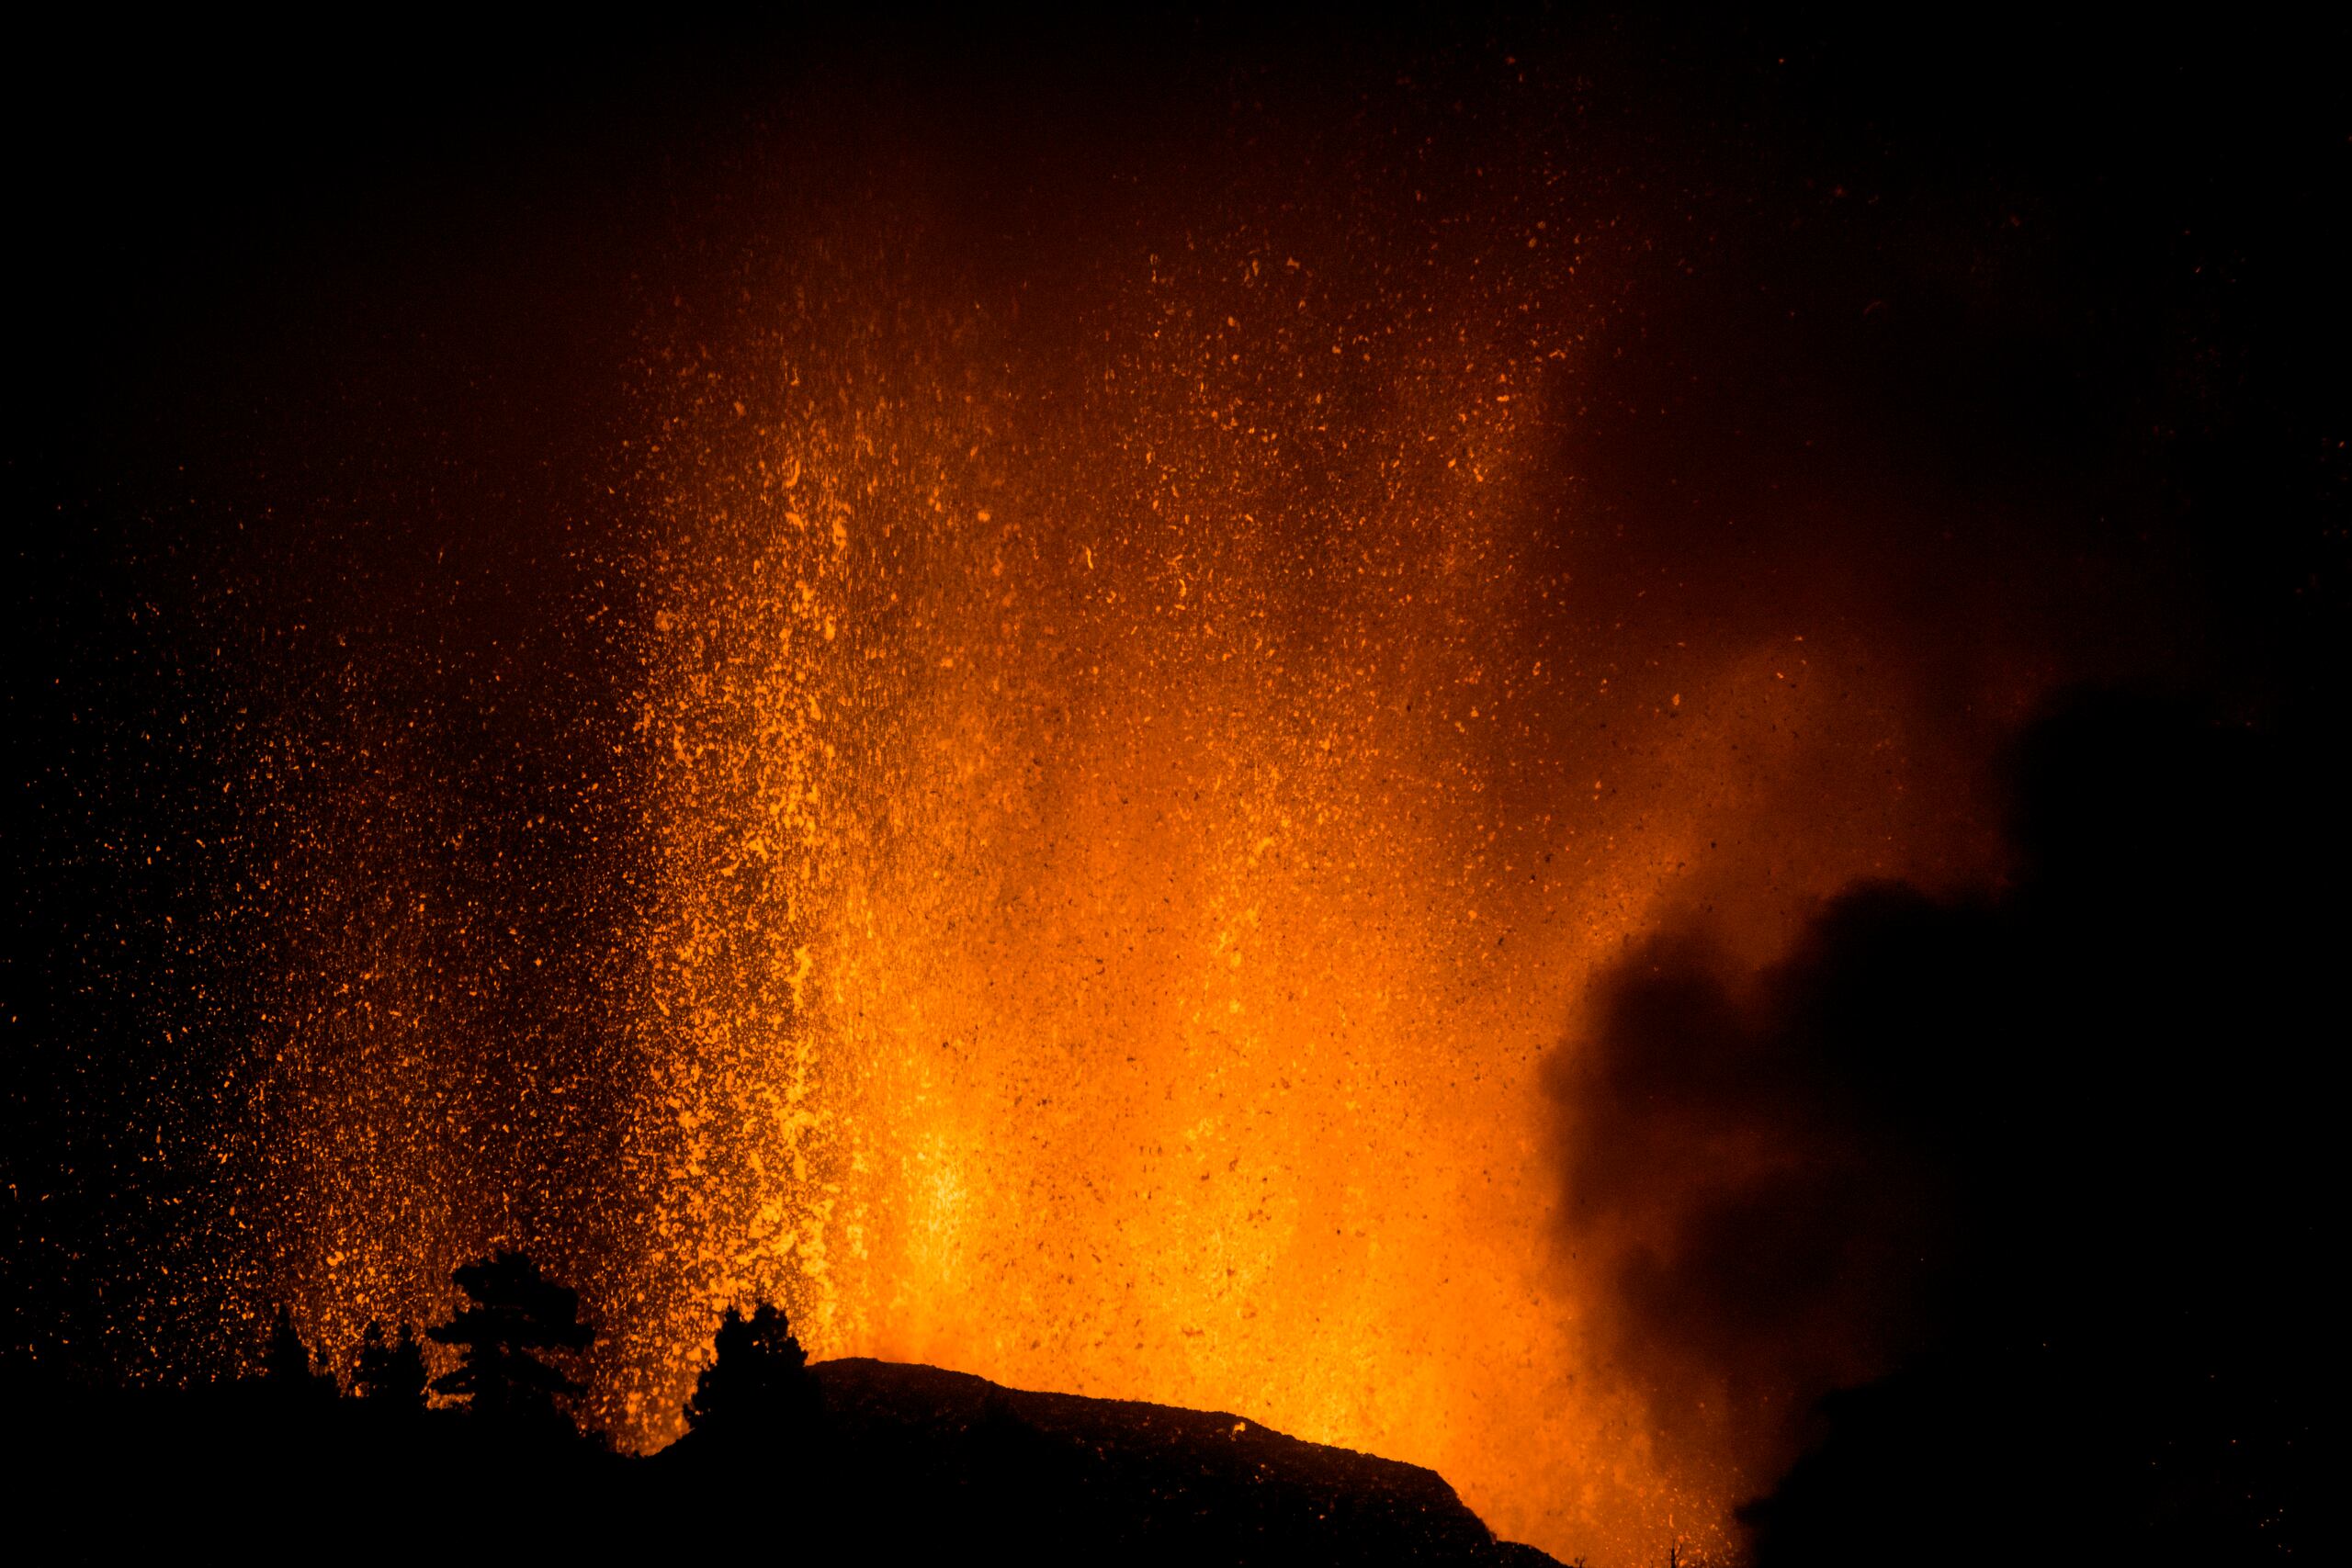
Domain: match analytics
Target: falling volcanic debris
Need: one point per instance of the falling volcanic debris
(1030, 747)
(1127, 831)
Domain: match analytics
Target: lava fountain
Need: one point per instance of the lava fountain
(1139, 780)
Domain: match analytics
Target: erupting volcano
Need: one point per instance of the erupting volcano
(1177, 725)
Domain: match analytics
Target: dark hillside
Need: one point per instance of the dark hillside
(906, 1463)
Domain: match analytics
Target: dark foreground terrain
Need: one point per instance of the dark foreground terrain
(904, 1463)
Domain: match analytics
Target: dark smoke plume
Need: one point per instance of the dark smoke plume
(2026, 1183)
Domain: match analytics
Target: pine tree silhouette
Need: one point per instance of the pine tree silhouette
(758, 1388)
(516, 1312)
(391, 1374)
(285, 1365)
(287, 1360)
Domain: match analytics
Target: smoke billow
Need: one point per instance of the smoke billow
(1748, 1157)
(2044, 1154)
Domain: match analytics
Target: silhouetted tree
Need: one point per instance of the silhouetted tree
(758, 1386)
(517, 1310)
(392, 1375)
(285, 1365)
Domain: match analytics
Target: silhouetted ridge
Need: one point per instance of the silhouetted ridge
(915, 1461)
(1187, 1480)
(852, 1461)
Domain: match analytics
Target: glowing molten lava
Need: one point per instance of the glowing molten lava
(1135, 800)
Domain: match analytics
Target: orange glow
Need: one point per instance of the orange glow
(1128, 828)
